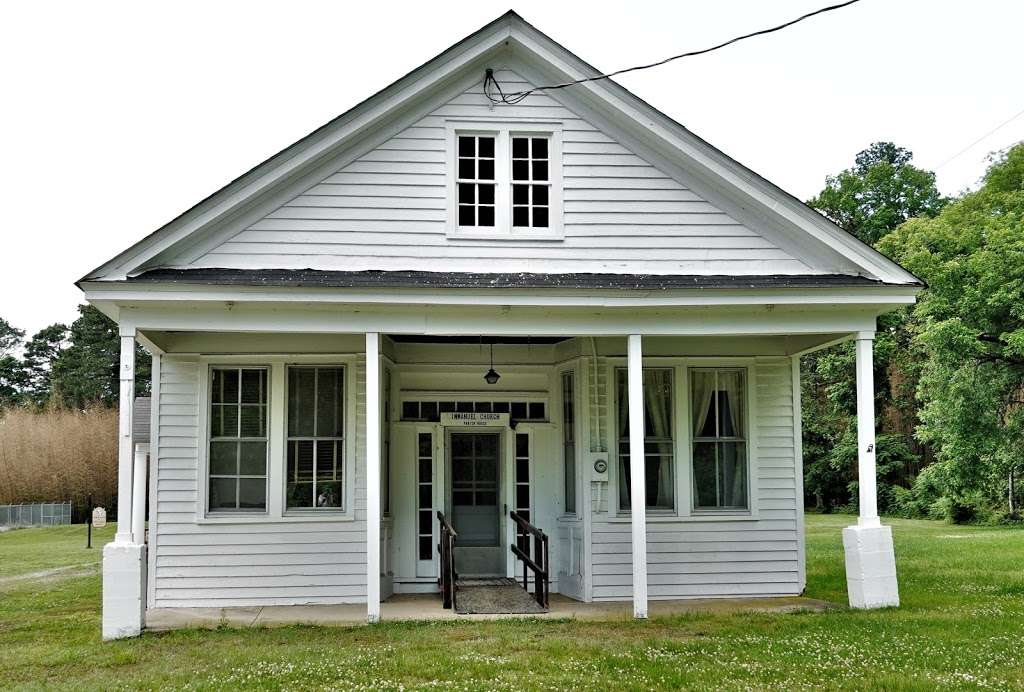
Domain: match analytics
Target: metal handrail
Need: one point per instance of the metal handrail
(537, 562)
(446, 549)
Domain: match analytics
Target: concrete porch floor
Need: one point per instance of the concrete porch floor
(410, 607)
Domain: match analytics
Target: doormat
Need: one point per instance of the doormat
(494, 597)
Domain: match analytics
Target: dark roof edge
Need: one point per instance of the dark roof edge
(314, 278)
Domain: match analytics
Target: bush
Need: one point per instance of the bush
(58, 455)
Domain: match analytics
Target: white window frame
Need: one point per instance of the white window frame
(579, 402)
(344, 439)
(277, 439)
(683, 459)
(503, 131)
(614, 393)
(745, 439)
(209, 439)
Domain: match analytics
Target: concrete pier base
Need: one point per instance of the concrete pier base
(124, 590)
(870, 567)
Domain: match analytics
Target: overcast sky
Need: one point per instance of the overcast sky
(117, 116)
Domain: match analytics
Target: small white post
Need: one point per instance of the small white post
(870, 559)
(373, 436)
(139, 494)
(637, 476)
(125, 446)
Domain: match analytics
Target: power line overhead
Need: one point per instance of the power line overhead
(494, 93)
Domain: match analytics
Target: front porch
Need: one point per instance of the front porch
(706, 403)
(428, 607)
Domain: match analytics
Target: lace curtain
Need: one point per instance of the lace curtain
(657, 383)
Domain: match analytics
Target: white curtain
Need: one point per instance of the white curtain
(658, 413)
(731, 383)
(657, 383)
(732, 455)
(703, 395)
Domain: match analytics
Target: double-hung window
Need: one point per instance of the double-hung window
(718, 408)
(238, 440)
(505, 181)
(315, 459)
(659, 449)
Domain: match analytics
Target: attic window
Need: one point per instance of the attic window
(504, 181)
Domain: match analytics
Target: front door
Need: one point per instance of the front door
(475, 463)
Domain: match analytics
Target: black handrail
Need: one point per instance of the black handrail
(446, 548)
(538, 562)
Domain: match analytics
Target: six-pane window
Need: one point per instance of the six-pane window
(530, 182)
(316, 428)
(658, 436)
(717, 403)
(475, 180)
(238, 440)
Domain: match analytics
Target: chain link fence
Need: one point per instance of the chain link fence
(38, 514)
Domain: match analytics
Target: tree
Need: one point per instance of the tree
(86, 372)
(881, 191)
(10, 338)
(11, 373)
(970, 325)
(41, 353)
(869, 200)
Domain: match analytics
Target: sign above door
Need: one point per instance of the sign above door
(474, 420)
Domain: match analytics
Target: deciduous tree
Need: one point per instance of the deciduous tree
(970, 325)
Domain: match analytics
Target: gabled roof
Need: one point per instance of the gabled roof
(650, 132)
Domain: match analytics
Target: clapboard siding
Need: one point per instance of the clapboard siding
(272, 563)
(700, 559)
(388, 210)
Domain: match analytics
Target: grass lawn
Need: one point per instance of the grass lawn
(961, 626)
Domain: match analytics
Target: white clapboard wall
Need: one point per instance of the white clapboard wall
(387, 210)
(210, 565)
(704, 559)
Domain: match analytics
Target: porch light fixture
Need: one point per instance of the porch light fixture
(491, 376)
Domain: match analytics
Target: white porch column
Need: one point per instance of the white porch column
(870, 559)
(637, 477)
(139, 494)
(373, 436)
(125, 442)
(124, 573)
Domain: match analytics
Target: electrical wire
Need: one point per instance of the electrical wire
(515, 97)
(980, 139)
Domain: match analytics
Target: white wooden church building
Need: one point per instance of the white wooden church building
(321, 329)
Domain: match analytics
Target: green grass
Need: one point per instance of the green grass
(961, 626)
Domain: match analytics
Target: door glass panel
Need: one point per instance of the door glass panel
(475, 489)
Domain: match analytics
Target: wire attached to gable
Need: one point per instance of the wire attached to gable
(494, 93)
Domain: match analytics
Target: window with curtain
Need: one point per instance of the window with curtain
(315, 445)
(658, 436)
(718, 405)
(238, 440)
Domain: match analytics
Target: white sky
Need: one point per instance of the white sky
(117, 116)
